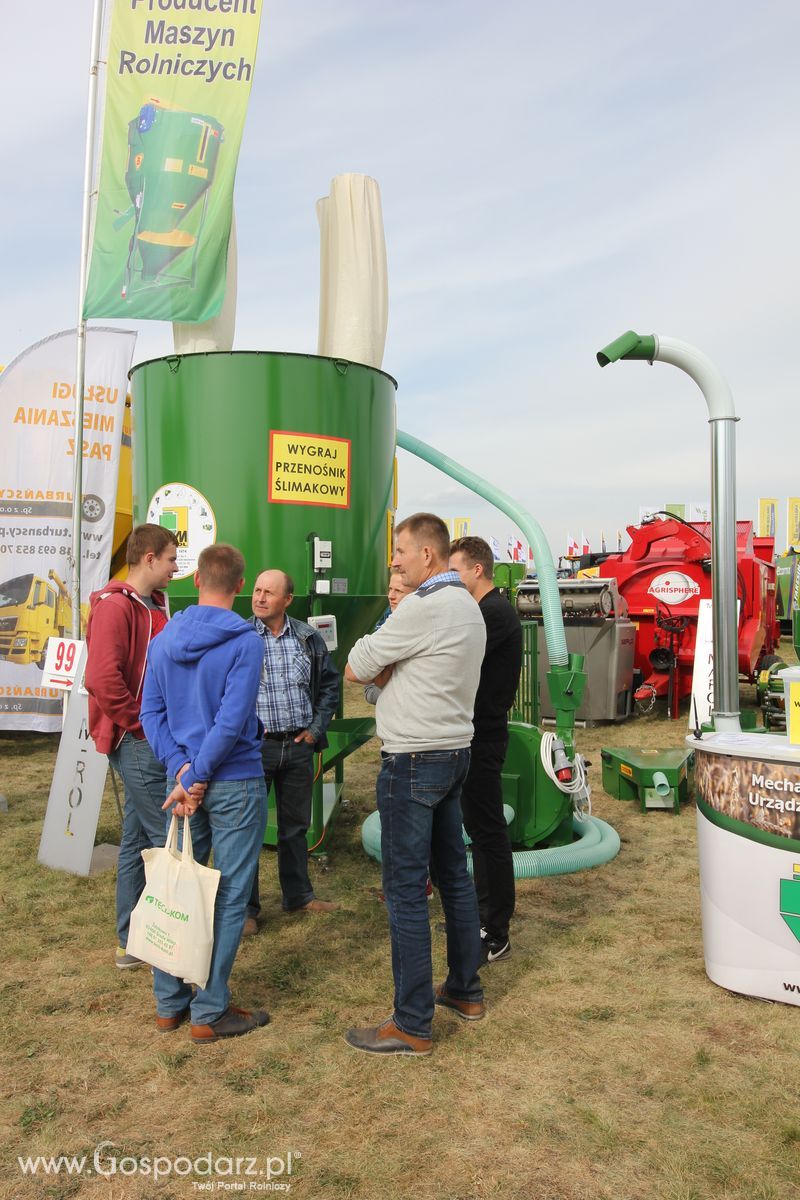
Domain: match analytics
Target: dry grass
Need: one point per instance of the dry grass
(608, 1067)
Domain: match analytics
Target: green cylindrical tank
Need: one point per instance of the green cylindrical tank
(267, 451)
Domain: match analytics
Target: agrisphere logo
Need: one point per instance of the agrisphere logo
(673, 587)
(217, 1173)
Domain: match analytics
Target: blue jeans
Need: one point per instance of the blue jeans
(231, 822)
(418, 801)
(290, 766)
(143, 779)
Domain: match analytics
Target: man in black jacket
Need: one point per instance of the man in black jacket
(482, 795)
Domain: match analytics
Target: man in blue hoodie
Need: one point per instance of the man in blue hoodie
(199, 715)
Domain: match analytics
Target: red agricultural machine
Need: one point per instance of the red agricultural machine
(663, 576)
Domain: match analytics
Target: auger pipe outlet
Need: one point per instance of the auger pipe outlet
(628, 345)
(722, 418)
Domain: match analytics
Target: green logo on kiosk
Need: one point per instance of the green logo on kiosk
(790, 901)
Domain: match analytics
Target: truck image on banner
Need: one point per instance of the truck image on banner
(176, 100)
(32, 610)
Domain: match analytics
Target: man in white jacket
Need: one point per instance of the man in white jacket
(427, 661)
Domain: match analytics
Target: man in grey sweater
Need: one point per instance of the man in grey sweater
(427, 661)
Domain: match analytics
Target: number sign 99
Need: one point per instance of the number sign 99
(65, 656)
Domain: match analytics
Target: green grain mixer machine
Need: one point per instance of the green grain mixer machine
(291, 457)
(172, 161)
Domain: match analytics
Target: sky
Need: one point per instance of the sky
(551, 175)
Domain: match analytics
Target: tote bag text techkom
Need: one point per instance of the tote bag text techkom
(172, 926)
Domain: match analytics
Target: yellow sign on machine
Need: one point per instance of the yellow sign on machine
(305, 468)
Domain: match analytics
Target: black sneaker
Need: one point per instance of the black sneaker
(494, 949)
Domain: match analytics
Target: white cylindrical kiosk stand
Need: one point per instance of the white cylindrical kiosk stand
(748, 833)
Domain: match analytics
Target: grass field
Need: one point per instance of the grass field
(608, 1066)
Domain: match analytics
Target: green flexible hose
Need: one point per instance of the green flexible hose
(543, 558)
(597, 843)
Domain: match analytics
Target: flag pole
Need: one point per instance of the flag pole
(80, 360)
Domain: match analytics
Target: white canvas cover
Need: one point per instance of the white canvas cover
(354, 293)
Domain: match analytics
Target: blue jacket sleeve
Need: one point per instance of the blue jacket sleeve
(236, 708)
(154, 720)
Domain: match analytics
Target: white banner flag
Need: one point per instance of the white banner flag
(37, 449)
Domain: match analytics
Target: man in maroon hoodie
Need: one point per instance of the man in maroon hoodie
(125, 616)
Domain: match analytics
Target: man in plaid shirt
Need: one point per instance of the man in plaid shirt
(297, 696)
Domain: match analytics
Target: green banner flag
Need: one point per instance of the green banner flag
(176, 100)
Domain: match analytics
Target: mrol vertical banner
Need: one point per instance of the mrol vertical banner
(793, 522)
(178, 82)
(767, 516)
(37, 455)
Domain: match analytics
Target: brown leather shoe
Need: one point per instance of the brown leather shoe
(233, 1023)
(387, 1039)
(468, 1010)
(250, 927)
(170, 1024)
(316, 906)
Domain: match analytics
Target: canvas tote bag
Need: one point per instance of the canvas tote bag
(172, 926)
